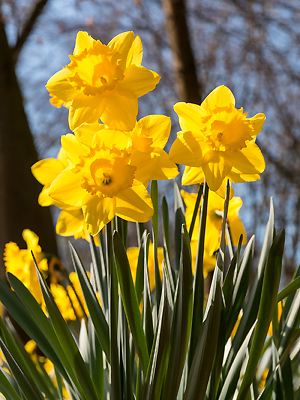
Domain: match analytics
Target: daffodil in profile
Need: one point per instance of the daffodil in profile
(214, 218)
(101, 181)
(218, 141)
(20, 263)
(103, 81)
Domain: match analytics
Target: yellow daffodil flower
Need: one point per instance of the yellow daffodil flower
(103, 81)
(133, 254)
(20, 263)
(218, 141)
(145, 142)
(70, 221)
(215, 208)
(101, 182)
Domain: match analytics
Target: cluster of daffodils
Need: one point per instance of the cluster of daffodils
(64, 287)
(105, 165)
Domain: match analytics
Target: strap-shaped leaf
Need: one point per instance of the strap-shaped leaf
(92, 303)
(80, 375)
(7, 389)
(267, 303)
(181, 321)
(130, 301)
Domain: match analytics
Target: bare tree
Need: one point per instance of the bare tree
(19, 190)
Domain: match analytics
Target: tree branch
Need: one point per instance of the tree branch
(28, 27)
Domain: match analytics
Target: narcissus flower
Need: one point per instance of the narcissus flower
(133, 254)
(101, 182)
(20, 263)
(218, 141)
(103, 81)
(215, 209)
(145, 143)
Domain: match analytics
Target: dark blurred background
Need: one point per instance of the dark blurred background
(251, 46)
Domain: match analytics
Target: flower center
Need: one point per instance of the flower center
(108, 177)
(228, 130)
(95, 70)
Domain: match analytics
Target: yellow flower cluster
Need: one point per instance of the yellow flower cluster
(64, 287)
(19, 262)
(103, 168)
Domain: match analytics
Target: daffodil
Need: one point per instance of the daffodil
(218, 141)
(20, 262)
(70, 221)
(101, 181)
(145, 143)
(215, 208)
(133, 254)
(103, 81)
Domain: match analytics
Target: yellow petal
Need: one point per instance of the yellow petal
(121, 110)
(73, 148)
(83, 41)
(135, 53)
(192, 176)
(220, 97)
(190, 116)
(66, 189)
(45, 171)
(59, 87)
(139, 80)
(186, 150)
(156, 127)
(122, 44)
(215, 170)
(86, 133)
(257, 123)
(44, 198)
(134, 204)
(70, 223)
(154, 166)
(98, 212)
(85, 109)
(248, 160)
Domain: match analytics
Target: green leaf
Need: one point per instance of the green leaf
(231, 378)
(290, 288)
(28, 314)
(160, 351)
(154, 197)
(7, 389)
(267, 303)
(26, 385)
(181, 321)
(80, 374)
(96, 313)
(130, 301)
(198, 278)
(24, 360)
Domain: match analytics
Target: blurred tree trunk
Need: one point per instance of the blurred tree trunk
(18, 188)
(187, 83)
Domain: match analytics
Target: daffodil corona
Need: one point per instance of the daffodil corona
(217, 141)
(103, 81)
